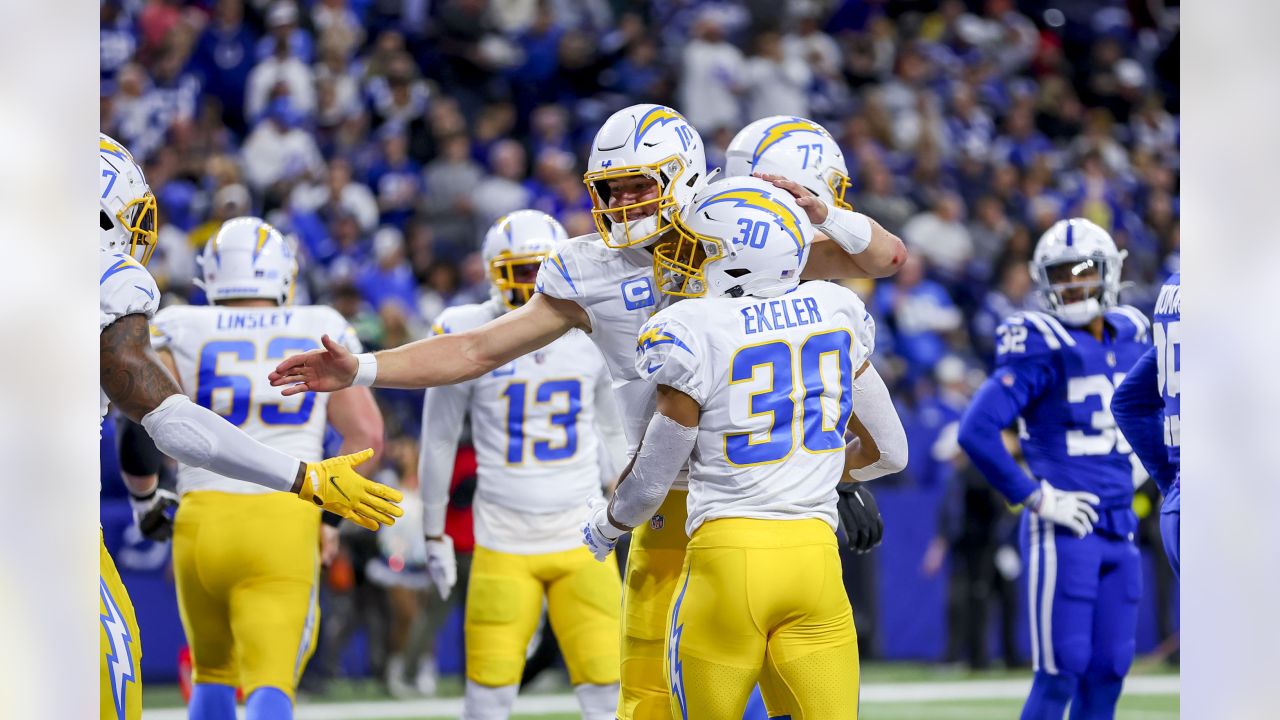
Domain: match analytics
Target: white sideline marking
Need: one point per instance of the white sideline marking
(892, 692)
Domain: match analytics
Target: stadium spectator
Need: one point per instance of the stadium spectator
(711, 76)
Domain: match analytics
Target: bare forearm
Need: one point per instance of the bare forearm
(884, 255)
(453, 358)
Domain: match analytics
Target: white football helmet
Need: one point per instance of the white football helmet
(514, 249)
(738, 236)
(128, 209)
(794, 148)
(650, 141)
(1080, 246)
(248, 259)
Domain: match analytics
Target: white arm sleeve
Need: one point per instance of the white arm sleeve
(201, 438)
(875, 410)
(663, 452)
(849, 229)
(443, 410)
(613, 442)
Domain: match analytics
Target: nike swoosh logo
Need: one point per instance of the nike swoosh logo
(150, 294)
(333, 480)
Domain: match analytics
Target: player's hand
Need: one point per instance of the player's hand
(154, 514)
(442, 564)
(598, 534)
(334, 485)
(812, 205)
(1071, 509)
(322, 370)
(859, 516)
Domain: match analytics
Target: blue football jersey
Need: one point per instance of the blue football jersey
(1167, 334)
(1063, 379)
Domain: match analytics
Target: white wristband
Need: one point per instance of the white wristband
(849, 229)
(367, 370)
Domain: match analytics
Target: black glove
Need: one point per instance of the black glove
(859, 516)
(154, 514)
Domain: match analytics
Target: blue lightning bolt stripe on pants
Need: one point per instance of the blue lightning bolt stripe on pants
(119, 648)
(754, 592)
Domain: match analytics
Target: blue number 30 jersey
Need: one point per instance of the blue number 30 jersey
(1058, 381)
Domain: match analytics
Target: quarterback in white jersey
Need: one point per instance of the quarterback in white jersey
(251, 618)
(755, 390)
(132, 377)
(537, 426)
(645, 166)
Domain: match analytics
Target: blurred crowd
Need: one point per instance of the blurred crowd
(386, 136)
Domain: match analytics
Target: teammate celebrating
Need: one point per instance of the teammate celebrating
(646, 164)
(249, 616)
(132, 377)
(1056, 372)
(797, 153)
(757, 382)
(535, 424)
(1147, 407)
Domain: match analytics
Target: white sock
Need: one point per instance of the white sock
(488, 703)
(597, 702)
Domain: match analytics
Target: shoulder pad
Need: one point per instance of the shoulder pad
(1028, 334)
(462, 318)
(124, 288)
(1130, 323)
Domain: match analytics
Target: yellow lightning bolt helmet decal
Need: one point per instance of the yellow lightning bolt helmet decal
(782, 130)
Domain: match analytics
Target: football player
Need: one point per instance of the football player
(782, 149)
(646, 163)
(132, 377)
(536, 424)
(251, 617)
(1147, 407)
(1055, 374)
(757, 382)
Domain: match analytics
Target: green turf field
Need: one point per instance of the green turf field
(897, 691)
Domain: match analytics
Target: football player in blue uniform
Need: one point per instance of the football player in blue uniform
(1147, 408)
(1055, 374)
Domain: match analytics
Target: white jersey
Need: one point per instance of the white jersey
(224, 354)
(124, 288)
(617, 290)
(537, 425)
(774, 379)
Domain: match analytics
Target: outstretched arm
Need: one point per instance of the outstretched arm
(133, 377)
(439, 360)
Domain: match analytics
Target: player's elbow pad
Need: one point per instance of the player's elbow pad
(666, 447)
(199, 437)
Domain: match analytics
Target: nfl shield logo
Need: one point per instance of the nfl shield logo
(539, 357)
(656, 522)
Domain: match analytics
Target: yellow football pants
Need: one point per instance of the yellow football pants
(504, 602)
(652, 578)
(247, 569)
(757, 590)
(119, 647)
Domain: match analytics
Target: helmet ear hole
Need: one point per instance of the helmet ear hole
(104, 220)
(736, 273)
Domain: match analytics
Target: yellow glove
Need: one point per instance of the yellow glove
(334, 485)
